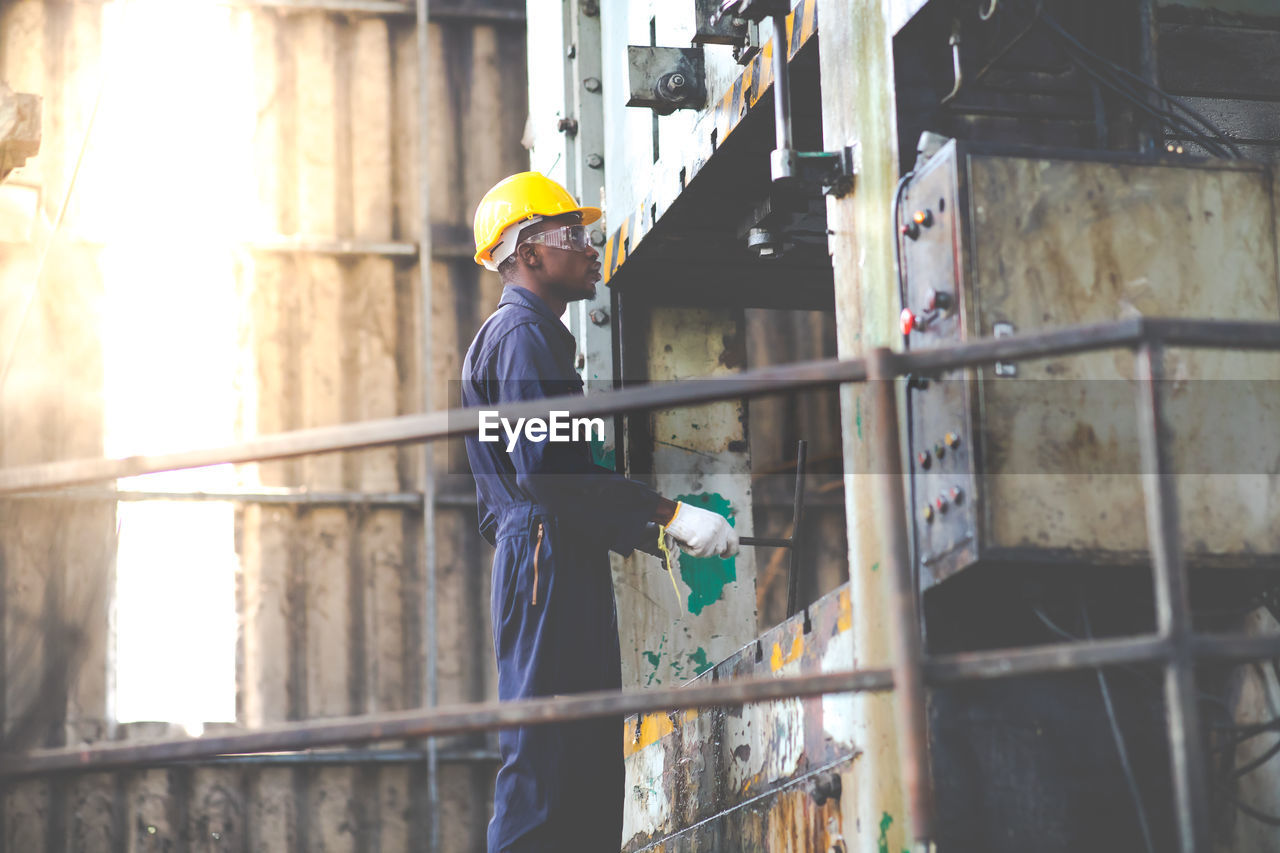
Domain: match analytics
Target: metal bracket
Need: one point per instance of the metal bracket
(752, 10)
(666, 79)
(710, 27)
(832, 172)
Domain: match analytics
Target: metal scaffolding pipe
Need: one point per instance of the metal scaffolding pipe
(442, 424)
(427, 544)
(1173, 606)
(485, 716)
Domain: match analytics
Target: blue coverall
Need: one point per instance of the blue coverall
(560, 787)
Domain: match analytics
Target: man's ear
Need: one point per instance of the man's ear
(529, 254)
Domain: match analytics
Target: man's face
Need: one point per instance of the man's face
(569, 274)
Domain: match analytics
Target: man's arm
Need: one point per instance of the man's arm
(563, 476)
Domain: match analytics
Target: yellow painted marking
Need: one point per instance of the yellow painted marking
(653, 728)
(751, 84)
(691, 715)
(845, 620)
(777, 661)
(810, 21)
(748, 77)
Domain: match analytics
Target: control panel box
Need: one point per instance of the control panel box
(1039, 461)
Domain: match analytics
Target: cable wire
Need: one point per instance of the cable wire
(1123, 752)
(1079, 48)
(1146, 84)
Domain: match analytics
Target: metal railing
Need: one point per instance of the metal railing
(1175, 645)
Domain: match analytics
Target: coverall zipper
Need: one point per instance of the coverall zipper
(537, 549)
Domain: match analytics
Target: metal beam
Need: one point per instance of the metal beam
(330, 246)
(902, 598)
(485, 716)
(463, 14)
(348, 758)
(267, 495)
(432, 426)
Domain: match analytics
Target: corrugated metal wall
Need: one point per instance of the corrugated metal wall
(330, 596)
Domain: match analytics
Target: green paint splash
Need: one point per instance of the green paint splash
(882, 843)
(707, 576)
(699, 660)
(875, 567)
(654, 658)
(858, 417)
(602, 456)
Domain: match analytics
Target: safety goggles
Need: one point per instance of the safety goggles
(572, 238)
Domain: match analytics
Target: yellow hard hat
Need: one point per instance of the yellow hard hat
(525, 195)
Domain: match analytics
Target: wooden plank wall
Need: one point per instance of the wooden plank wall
(330, 598)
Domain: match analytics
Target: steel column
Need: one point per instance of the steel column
(904, 616)
(427, 560)
(1173, 609)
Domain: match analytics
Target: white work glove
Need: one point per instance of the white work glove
(702, 533)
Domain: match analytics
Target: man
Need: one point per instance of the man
(553, 516)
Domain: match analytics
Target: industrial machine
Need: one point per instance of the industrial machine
(1039, 461)
(1078, 162)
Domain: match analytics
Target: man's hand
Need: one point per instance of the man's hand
(702, 533)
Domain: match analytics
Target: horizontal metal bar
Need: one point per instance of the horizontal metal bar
(388, 8)
(427, 427)
(1176, 332)
(1041, 660)
(1235, 647)
(764, 541)
(477, 717)
(443, 720)
(436, 425)
(326, 246)
(288, 497)
(347, 757)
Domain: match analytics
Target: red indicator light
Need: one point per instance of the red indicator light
(908, 321)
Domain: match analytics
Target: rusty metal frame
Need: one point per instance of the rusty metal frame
(1175, 645)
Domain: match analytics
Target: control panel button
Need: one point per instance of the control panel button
(957, 495)
(927, 512)
(923, 218)
(951, 440)
(924, 459)
(908, 321)
(941, 503)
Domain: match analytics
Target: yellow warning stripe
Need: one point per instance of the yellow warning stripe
(714, 126)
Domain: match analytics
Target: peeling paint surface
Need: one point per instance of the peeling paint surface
(738, 778)
(698, 454)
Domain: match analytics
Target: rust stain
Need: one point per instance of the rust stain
(653, 728)
(777, 661)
